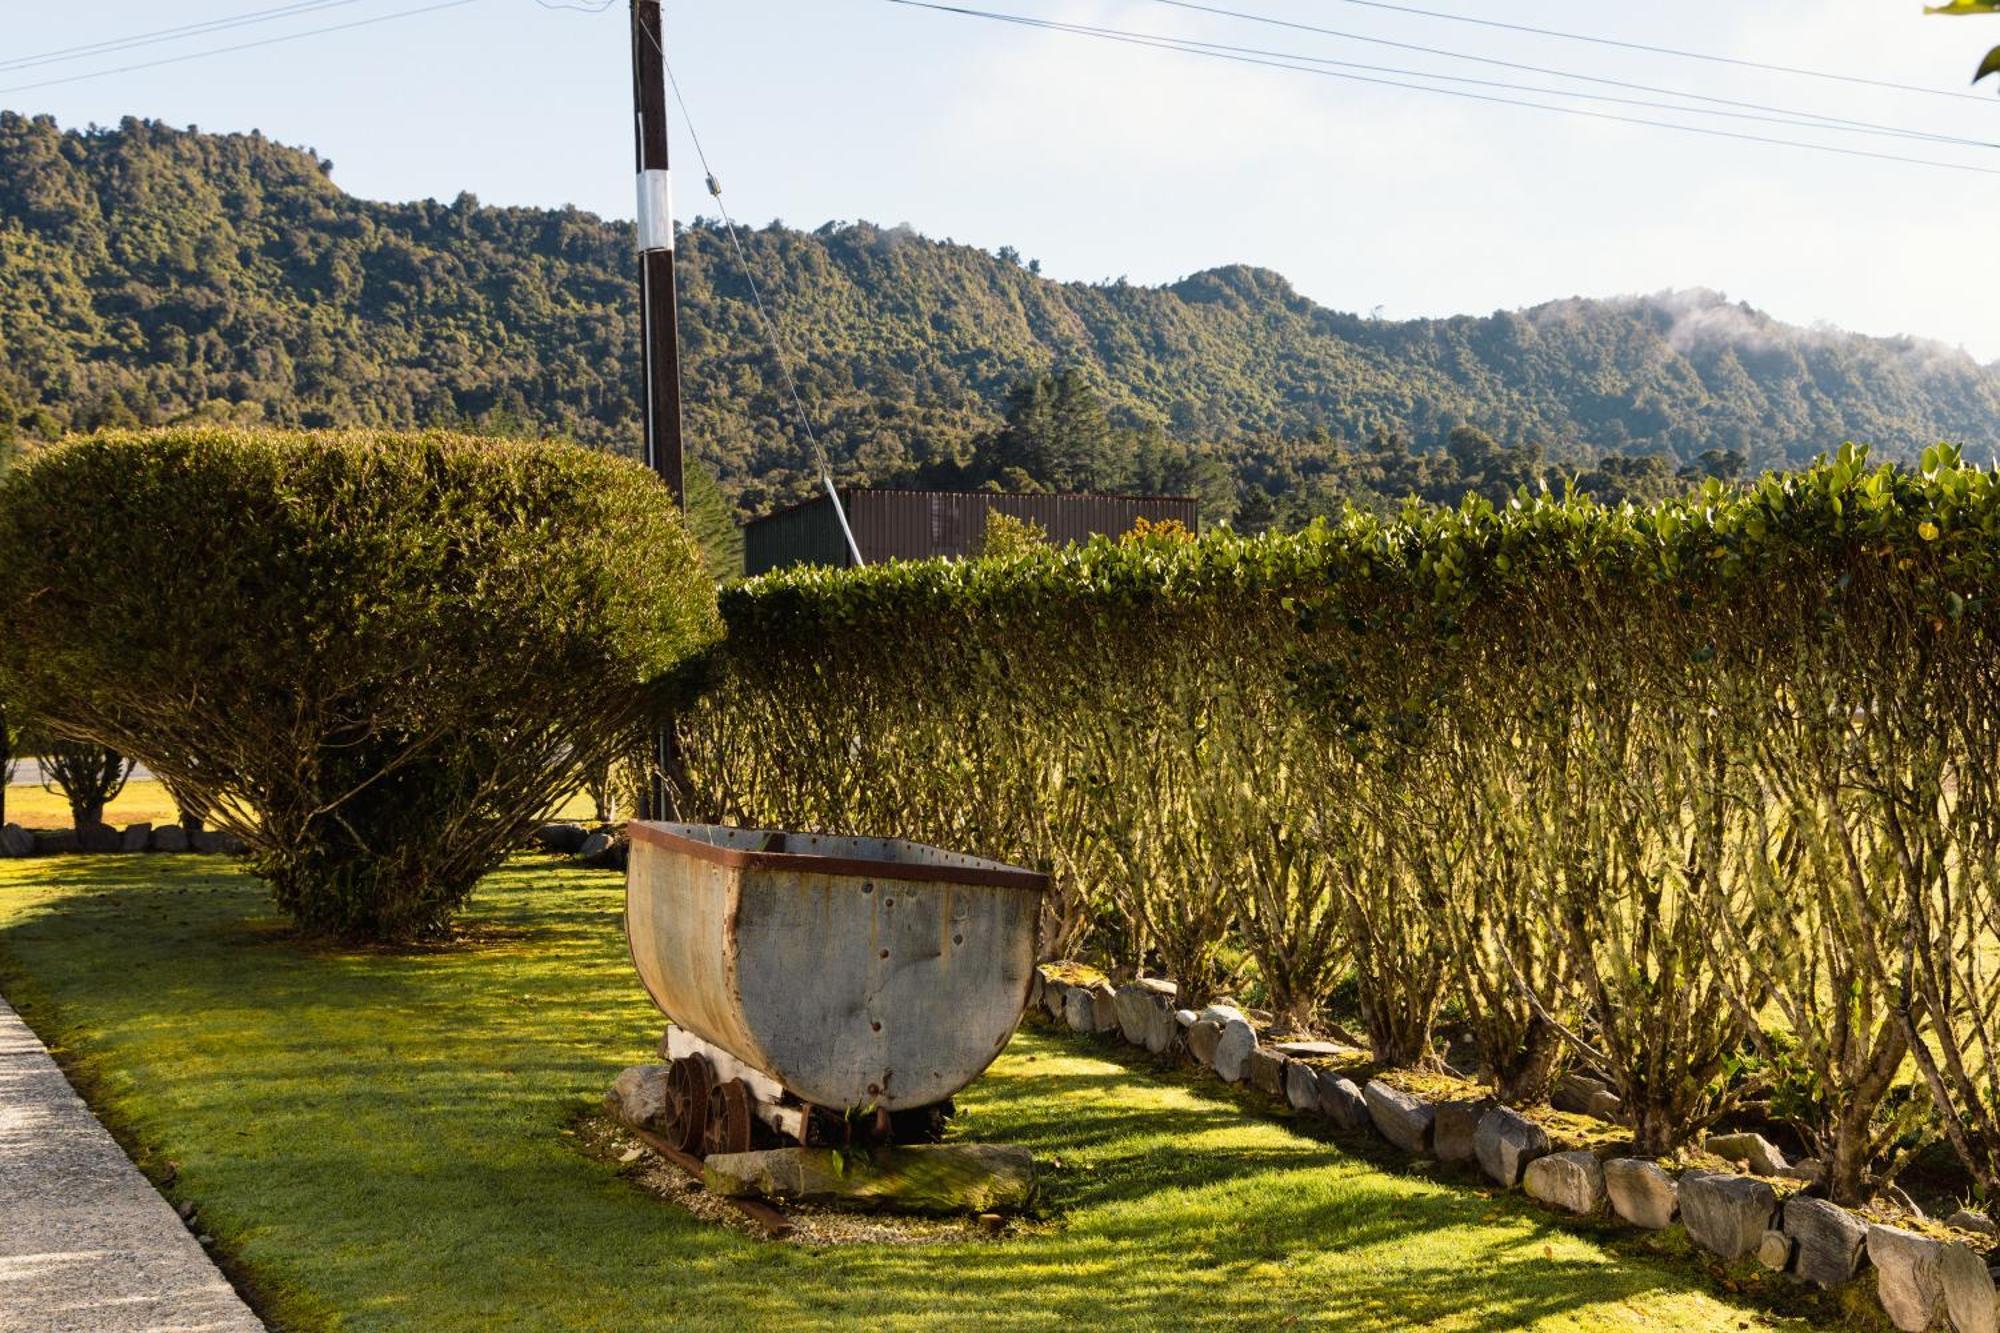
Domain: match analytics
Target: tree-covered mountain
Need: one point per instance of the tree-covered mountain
(149, 274)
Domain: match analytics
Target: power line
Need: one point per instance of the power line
(778, 345)
(1709, 131)
(1794, 119)
(1670, 51)
(240, 46)
(1626, 84)
(179, 33)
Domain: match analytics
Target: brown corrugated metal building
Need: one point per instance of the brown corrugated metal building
(913, 525)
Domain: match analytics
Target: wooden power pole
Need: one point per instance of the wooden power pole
(656, 250)
(657, 314)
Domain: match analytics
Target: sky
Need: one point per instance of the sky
(1104, 160)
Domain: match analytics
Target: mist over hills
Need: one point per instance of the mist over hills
(151, 274)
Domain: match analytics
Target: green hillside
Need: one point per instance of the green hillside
(149, 274)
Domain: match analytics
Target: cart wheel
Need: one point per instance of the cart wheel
(689, 1082)
(729, 1118)
(919, 1124)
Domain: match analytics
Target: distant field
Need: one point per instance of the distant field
(145, 801)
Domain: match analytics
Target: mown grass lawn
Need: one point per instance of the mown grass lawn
(375, 1140)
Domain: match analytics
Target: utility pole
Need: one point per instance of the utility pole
(656, 249)
(657, 314)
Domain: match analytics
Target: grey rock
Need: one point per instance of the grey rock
(1455, 1130)
(973, 1178)
(1753, 1150)
(1103, 1008)
(1232, 1052)
(99, 839)
(1302, 1086)
(1906, 1276)
(1036, 983)
(170, 838)
(55, 842)
(1134, 1005)
(1965, 1219)
(593, 847)
(638, 1097)
(1577, 1093)
(563, 839)
(1144, 1018)
(1055, 999)
(1161, 987)
(1402, 1119)
(1969, 1298)
(16, 841)
(1807, 1169)
(135, 838)
(1724, 1214)
(1828, 1240)
(1505, 1142)
(1187, 1018)
(1267, 1071)
(1572, 1181)
(1775, 1251)
(1310, 1050)
(1202, 1039)
(1225, 1014)
(215, 842)
(1342, 1103)
(1641, 1193)
(1164, 1031)
(1080, 1010)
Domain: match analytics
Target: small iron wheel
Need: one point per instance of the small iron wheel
(920, 1124)
(689, 1082)
(729, 1118)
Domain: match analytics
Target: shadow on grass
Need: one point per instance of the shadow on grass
(381, 1135)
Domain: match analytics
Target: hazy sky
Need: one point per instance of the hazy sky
(1103, 159)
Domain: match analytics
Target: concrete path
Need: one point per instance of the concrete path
(86, 1243)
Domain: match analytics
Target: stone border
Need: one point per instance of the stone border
(602, 848)
(17, 842)
(1922, 1282)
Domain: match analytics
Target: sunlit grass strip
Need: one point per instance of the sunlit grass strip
(376, 1140)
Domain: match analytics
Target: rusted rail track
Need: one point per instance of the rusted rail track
(773, 1223)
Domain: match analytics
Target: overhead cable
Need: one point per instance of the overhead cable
(240, 46)
(1179, 45)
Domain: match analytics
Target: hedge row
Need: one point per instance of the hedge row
(1705, 796)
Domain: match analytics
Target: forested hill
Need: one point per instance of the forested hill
(152, 274)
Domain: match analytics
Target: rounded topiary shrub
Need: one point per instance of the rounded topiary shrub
(377, 658)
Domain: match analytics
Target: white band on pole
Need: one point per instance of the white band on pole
(656, 210)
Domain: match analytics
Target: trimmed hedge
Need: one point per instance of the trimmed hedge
(1706, 796)
(379, 659)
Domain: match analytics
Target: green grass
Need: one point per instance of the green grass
(376, 1141)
